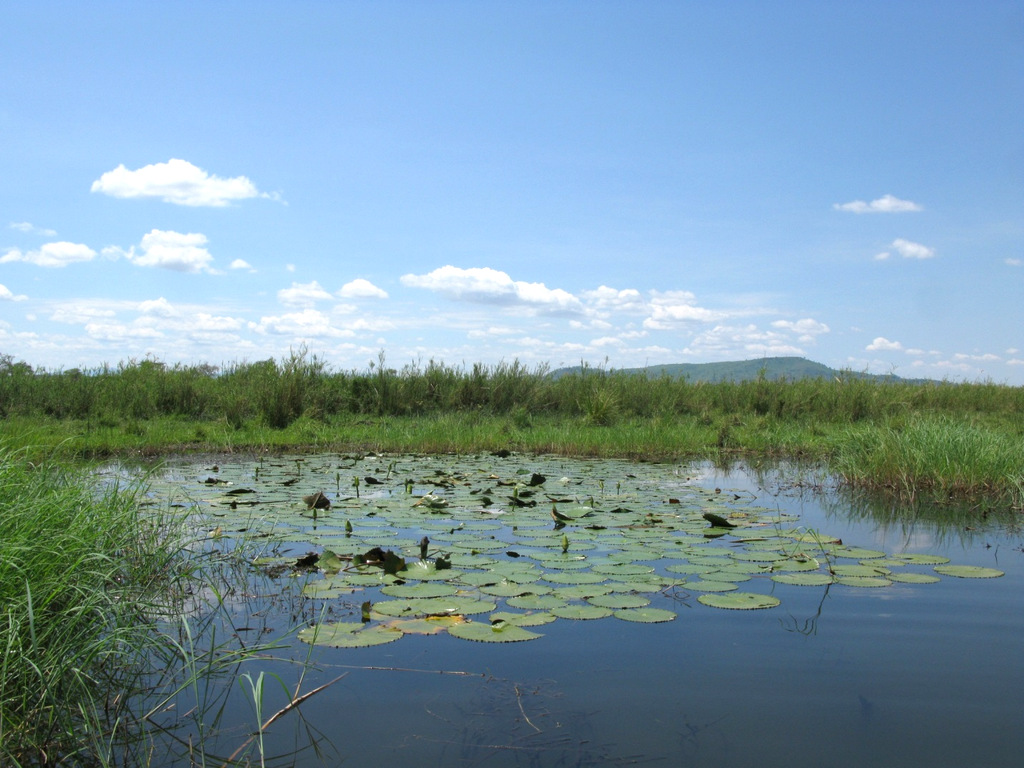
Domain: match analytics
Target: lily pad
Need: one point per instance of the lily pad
(968, 571)
(739, 601)
(645, 615)
(577, 611)
(499, 632)
(804, 579)
(349, 634)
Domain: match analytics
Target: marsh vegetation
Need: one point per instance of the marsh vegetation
(937, 439)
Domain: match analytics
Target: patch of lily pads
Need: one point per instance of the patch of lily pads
(488, 548)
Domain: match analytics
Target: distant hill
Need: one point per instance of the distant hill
(789, 368)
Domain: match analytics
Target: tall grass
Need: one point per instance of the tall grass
(300, 402)
(109, 613)
(80, 569)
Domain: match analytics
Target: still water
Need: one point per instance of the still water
(906, 675)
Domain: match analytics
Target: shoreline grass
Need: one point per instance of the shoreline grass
(941, 439)
(96, 589)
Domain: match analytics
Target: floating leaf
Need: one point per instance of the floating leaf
(617, 601)
(577, 611)
(806, 579)
(429, 625)
(645, 615)
(968, 571)
(922, 559)
(502, 632)
(348, 634)
(739, 601)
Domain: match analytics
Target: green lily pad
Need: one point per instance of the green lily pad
(427, 625)
(922, 559)
(803, 579)
(327, 588)
(739, 601)
(968, 571)
(863, 581)
(420, 589)
(500, 632)
(913, 578)
(349, 634)
(646, 615)
(531, 619)
(618, 601)
(576, 611)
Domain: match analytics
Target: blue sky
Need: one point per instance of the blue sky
(623, 183)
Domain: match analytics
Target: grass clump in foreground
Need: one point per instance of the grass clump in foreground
(96, 590)
(79, 567)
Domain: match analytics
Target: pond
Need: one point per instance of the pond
(520, 610)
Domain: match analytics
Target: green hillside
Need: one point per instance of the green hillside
(774, 368)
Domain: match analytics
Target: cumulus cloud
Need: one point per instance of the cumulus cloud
(490, 286)
(28, 228)
(169, 250)
(178, 182)
(7, 295)
(241, 264)
(361, 289)
(309, 323)
(882, 344)
(807, 328)
(670, 308)
(908, 250)
(302, 294)
(605, 298)
(884, 204)
(58, 254)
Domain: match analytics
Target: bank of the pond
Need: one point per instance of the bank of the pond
(913, 455)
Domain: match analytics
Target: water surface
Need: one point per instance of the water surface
(905, 675)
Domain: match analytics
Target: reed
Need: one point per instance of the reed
(299, 403)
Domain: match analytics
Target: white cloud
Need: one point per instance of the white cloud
(81, 312)
(669, 308)
(170, 250)
(28, 228)
(911, 250)
(241, 264)
(309, 323)
(7, 295)
(159, 307)
(302, 294)
(1013, 262)
(628, 299)
(490, 286)
(883, 344)
(807, 328)
(884, 204)
(176, 181)
(361, 289)
(58, 254)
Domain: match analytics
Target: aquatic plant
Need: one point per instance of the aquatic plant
(483, 546)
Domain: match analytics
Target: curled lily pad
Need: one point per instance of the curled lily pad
(739, 601)
(968, 571)
(349, 634)
(531, 619)
(499, 632)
